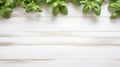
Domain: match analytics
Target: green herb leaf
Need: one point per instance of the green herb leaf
(55, 4)
(62, 3)
(48, 1)
(86, 8)
(64, 10)
(97, 10)
(76, 2)
(84, 2)
(55, 11)
(5, 12)
(115, 14)
(100, 2)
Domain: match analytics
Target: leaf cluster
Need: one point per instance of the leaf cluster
(115, 6)
(6, 7)
(58, 6)
(94, 5)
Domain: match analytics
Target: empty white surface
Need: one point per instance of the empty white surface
(59, 52)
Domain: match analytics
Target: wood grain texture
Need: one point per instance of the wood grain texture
(62, 63)
(60, 52)
(71, 24)
(80, 40)
(60, 38)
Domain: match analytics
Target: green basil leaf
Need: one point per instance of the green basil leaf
(86, 8)
(55, 4)
(5, 12)
(114, 6)
(84, 2)
(9, 3)
(100, 2)
(48, 1)
(33, 7)
(76, 2)
(64, 10)
(97, 10)
(55, 11)
(115, 14)
(62, 3)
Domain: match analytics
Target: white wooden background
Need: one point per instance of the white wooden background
(76, 40)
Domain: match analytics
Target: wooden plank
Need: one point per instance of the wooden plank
(53, 52)
(60, 38)
(59, 24)
(60, 41)
(62, 63)
(62, 33)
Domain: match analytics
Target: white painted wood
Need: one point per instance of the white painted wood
(80, 40)
(62, 63)
(59, 52)
(60, 38)
(59, 34)
(59, 24)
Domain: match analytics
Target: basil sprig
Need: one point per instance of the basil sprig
(94, 5)
(115, 6)
(58, 6)
(30, 5)
(76, 2)
(6, 7)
